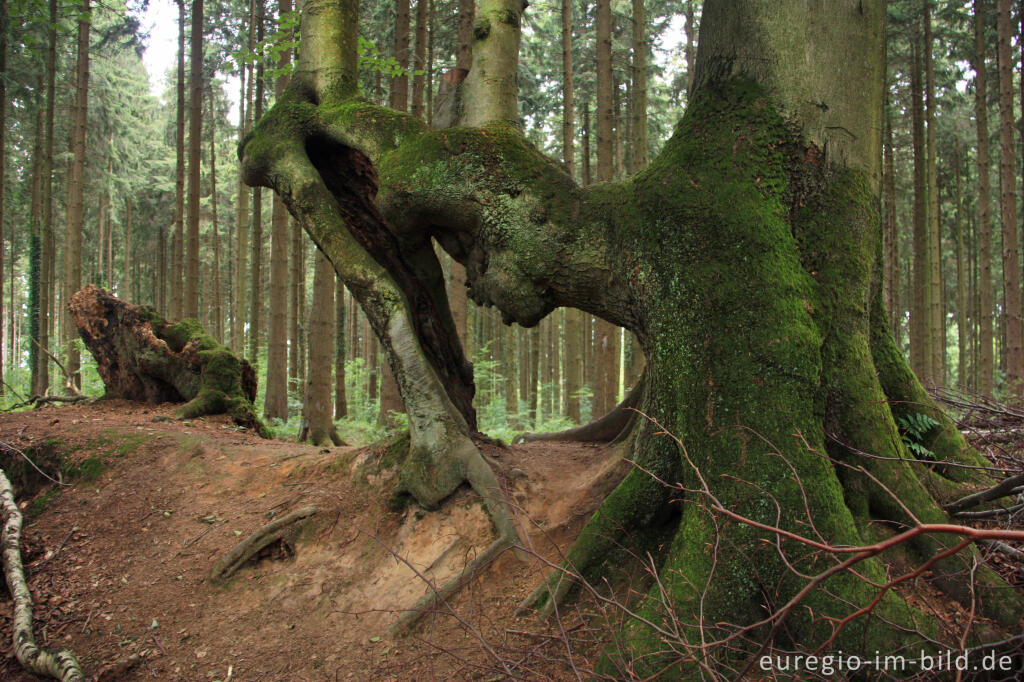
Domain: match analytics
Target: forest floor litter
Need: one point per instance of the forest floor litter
(119, 561)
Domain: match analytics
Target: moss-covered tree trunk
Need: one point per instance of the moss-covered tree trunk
(745, 258)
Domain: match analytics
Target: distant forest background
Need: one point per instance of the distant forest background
(104, 182)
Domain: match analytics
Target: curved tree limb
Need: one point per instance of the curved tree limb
(262, 537)
(60, 665)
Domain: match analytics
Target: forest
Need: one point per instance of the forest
(498, 340)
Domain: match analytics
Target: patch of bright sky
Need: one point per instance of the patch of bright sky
(160, 20)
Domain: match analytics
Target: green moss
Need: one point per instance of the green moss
(41, 503)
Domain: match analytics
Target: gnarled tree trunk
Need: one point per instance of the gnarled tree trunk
(745, 258)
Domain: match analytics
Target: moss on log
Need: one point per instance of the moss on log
(141, 356)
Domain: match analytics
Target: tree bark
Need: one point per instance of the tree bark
(936, 315)
(921, 340)
(317, 411)
(420, 60)
(568, 95)
(276, 402)
(178, 242)
(639, 88)
(340, 399)
(747, 263)
(399, 94)
(985, 296)
(195, 135)
(1008, 204)
(75, 180)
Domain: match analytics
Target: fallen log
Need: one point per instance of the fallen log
(141, 356)
(60, 665)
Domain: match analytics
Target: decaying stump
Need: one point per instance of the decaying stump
(141, 356)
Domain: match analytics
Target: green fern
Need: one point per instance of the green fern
(914, 428)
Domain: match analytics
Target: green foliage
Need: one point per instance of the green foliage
(914, 430)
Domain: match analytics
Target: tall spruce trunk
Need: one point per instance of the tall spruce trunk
(936, 315)
(241, 248)
(1008, 206)
(419, 64)
(340, 398)
(399, 94)
(256, 240)
(178, 241)
(986, 302)
(317, 410)
(216, 308)
(276, 402)
(195, 142)
(75, 185)
(920, 314)
(961, 275)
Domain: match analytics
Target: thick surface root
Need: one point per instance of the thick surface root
(249, 547)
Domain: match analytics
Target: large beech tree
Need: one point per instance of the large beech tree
(745, 258)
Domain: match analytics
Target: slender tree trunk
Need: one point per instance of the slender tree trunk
(568, 94)
(3, 168)
(38, 362)
(936, 316)
(464, 55)
(639, 88)
(218, 312)
(47, 269)
(534, 378)
(891, 281)
(961, 276)
(76, 174)
(317, 412)
(920, 329)
(399, 96)
(241, 249)
(420, 60)
(511, 378)
(1008, 201)
(340, 399)
(547, 391)
(690, 24)
(986, 301)
(256, 243)
(296, 304)
(178, 243)
(195, 132)
(126, 276)
(585, 135)
(430, 61)
(276, 404)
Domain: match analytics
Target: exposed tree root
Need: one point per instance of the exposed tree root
(38, 401)
(264, 536)
(440, 595)
(60, 665)
(606, 429)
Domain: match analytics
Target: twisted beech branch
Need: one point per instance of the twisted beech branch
(60, 665)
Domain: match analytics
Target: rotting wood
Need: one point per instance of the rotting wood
(264, 536)
(60, 665)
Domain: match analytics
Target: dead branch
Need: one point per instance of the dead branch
(1003, 489)
(60, 665)
(69, 379)
(264, 536)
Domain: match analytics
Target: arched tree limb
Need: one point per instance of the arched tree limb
(60, 665)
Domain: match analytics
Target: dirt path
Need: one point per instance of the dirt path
(160, 501)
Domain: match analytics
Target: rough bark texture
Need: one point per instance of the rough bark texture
(75, 185)
(317, 417)
(178, 241)
(1008, 205)
(936, 309)
(985, 296)
(141, 356)
(746, 258)
(195, 130)
(920, 328)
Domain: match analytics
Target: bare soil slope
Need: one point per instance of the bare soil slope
(119, 560)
